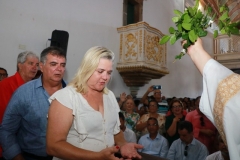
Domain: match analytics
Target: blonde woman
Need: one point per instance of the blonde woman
(83, 118)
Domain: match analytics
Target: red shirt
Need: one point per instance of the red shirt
(194, 118)
(7, 88)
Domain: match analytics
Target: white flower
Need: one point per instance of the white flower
(183, 51)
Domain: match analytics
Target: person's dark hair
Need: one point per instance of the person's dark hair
(152, 118)
(154, 101)
(39, 73)
(185, 125)
(137, 102)
(53, 50)
(121, 115)
(198, 98)
(4, 70)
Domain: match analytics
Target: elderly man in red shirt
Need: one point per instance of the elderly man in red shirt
(27, 67)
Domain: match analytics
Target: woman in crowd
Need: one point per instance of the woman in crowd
(176, 115)
(152, 112)
(83, 118)
(131, 117)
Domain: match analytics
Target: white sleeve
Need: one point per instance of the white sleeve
(64, 96)
(213, 73)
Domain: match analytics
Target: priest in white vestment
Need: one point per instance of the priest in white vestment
(220, 100)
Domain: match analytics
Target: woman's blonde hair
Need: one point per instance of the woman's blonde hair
(88, 65)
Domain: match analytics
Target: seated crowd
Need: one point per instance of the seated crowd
(172, 128)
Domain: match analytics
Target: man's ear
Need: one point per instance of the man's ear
(41, 66)
(19, 66)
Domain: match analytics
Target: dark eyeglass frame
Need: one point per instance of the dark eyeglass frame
(202, 121)
(185, 151)
(3, 75)
(179, 106)
(154, 125)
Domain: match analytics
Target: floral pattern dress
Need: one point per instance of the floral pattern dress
(131, 121)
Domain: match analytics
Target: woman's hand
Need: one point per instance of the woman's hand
(108, 153)
(129, 150)
(176, 119)
(123, 97)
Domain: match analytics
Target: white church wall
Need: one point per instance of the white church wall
(93, 22)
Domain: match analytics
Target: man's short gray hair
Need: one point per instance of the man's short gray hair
(22, 57)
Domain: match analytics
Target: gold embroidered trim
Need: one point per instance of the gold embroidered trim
(227, 88)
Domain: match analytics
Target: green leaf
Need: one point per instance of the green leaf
(221, 9)
(215, 34)
(187, 26)
(165, 39)
(186, 18)
(223, 31)
(185, 36)
(171, 30)
(192, 36)
(228, 20)
(224, 16)
(202, 33)
(234, 24)
(178, 13)
(220, 25)
(234, 30)
(191, 11)
(179, 27)
(172, 39)
(175, 19)
(186, 45)
(196, 5)
(199, 15)
(209, 10)
(178, 35)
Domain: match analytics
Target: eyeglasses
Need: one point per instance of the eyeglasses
(157, 93)
(185, 151)
(3, 75)
(149, 125)
(153, 105)
(202, 121)
(177, 106)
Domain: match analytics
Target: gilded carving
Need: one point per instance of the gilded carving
(130, 43)
(141, 55)
(140, 42)
(154, 51)
(121, 41)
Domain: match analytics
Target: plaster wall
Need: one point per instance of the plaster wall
(89, 23)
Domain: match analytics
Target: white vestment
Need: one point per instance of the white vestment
(220, 102)
(215, 156)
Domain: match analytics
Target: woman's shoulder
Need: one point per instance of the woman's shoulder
(110, 94)
(68, 91)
